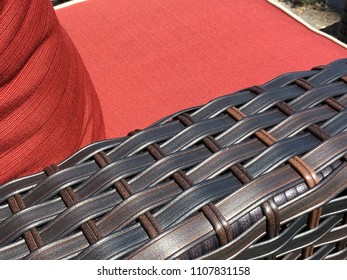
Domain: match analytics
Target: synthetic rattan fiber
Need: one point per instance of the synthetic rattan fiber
(258, 174)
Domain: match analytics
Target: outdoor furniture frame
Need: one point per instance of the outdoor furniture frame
(257, 174)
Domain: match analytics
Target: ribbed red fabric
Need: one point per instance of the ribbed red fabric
(48, 105)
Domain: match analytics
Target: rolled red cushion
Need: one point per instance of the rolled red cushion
(48, 105)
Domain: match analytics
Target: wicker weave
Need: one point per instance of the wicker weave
(258, 174)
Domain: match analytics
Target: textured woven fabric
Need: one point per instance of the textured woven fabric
(48, 105)
(151, 58)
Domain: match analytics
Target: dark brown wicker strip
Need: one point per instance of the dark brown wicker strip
(259, 174)
(31, 236)
(68, 196)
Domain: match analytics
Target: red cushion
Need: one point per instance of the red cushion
(48, 105)
(150, 58)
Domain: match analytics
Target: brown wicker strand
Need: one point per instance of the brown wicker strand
(258, 174)
(269, 208)
(297, 163)
(218, 222)
(88, 228)
(211, 212)
(32, 237)
(147, 220)
(123, 188)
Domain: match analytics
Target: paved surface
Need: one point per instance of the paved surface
(323, 18)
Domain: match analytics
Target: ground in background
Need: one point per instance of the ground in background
(318, 15)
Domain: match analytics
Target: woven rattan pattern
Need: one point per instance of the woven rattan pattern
(258, 174)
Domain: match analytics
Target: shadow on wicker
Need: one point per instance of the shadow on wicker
(258, 174)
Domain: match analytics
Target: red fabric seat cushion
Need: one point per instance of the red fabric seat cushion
(48, 104)
(150, 58)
